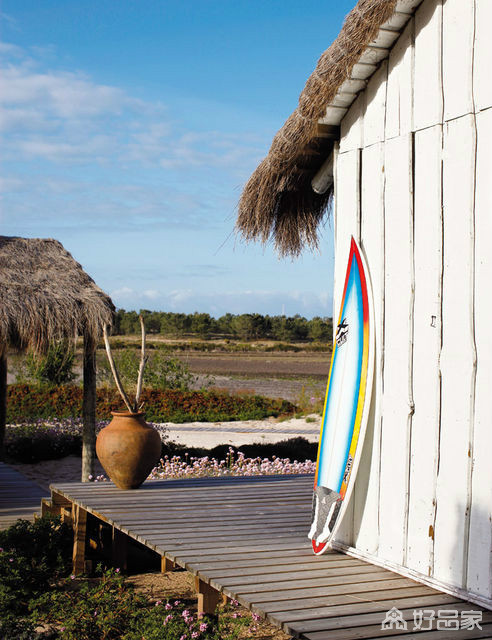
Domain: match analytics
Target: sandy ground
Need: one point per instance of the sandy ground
(192, 434)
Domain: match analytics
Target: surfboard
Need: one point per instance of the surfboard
(347, 401)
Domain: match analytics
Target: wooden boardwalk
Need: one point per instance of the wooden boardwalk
(19, 496)
(245, 538)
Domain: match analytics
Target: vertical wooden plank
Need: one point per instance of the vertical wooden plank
(366, 491)
(79, 539)
(208, 598)
(374, 117)
(482, 86)
(457, 57)
(119, 549)
(480, 549)
(399, 106)
(457, 356)
(89, 410)
(427, 347)
(397, 401)
(351, 127)
(3, 398)
(428, 98)
(166, 565)
(347, 214)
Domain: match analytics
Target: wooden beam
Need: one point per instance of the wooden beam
(166, 564)
(89, 410)
(79, 538)
(119, 549)
(208, 598)
(3, 399)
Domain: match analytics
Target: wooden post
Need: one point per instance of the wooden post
(208, 598)
(166, 564)
(89, 409)
(119, 549)
(3, 398)
(79, 536)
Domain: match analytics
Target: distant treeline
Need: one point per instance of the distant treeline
(246, 326)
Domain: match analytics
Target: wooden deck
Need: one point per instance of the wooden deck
(245, 538)
(19, 496)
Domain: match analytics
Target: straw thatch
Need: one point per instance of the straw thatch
(278, 201)
(45, 295)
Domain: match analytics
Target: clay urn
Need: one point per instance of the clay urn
(128, 449)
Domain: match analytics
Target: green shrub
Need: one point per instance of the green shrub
(54, 368)
(161, 372)
(32, 556)
(168, 405)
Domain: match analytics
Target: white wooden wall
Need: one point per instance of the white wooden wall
(414, 184)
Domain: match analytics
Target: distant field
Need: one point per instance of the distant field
(275, 365)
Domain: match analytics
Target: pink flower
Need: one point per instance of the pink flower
(185, 613)
(168, 606)
(195, 634)
(203, 626)
(255, 617)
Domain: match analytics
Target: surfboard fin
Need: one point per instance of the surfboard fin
(326, 504)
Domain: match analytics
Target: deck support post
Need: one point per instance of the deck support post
(3, 397)
(89, 409)
(208, 598)
(119, 549)
(79, 538)
(166, 564)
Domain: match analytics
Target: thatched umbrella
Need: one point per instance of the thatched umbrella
(278, 202)
(45, 295)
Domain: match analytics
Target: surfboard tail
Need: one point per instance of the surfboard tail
(326, 506)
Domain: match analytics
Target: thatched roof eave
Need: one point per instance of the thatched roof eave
(278, 202)
(45, 295)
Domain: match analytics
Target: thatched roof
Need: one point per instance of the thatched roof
(278, 201)
(45, 295)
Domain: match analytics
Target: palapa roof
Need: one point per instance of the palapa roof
(278, 201)
(45, 295)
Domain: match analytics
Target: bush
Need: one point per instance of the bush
(161, 372)
(55, 367)
(32, 442)
(27, 402)
(32, 556)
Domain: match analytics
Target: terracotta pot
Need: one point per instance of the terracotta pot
(128, 449)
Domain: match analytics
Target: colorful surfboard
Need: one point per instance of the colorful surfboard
(347, 403)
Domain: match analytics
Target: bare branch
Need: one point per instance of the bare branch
(143, 362)
(114, 371)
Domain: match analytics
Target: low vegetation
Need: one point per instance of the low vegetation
(40, 600)
(160, 405)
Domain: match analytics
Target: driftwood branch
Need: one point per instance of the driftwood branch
(114, 371)
(143, 362)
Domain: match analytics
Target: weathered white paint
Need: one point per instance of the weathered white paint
(457, 354)
(480, 549)
(347, 202)
(351, 126)
(374, 116)
(399, 104)
(428, 107)
(397, 399)
(457, 57)
(422, 502)
(424, 445)
(366, 492)
(482, 85)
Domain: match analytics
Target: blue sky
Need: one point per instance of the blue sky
(129, 128)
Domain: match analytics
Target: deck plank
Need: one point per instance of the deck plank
(247, 538)
(19, 496)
